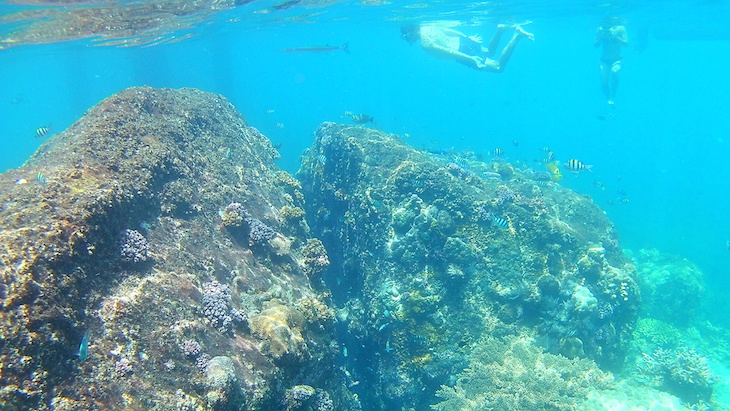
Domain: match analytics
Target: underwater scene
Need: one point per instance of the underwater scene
(319, 205)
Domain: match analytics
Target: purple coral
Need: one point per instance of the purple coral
(505, 194)
(483, 213)
(202, 362)
(123, 367)
(235, 215)
(134, 247)
(216, 306)
(301, 396)
(191, 348)
(259, 231)
(296, 396)
(324, 401)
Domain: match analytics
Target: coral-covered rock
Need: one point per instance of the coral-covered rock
(672, 287)
(280, 328)
(429, 253)
(517, 375)
(135, 218)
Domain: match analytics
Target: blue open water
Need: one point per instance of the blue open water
(665, 146)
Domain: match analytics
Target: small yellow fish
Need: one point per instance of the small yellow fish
(555, 173)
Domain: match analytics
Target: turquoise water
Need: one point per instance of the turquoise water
(664, 146)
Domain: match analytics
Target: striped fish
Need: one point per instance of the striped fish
(40, 178)
(41, 132)
(576, 165)
(500, 222)
(362, 118)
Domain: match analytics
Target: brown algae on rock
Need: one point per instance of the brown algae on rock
(149, 162)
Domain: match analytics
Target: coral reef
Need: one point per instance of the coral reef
(216, 306)
(134, 247)
(672, 287)
(124, 288)
(304, 397)
(280, 328)
(428, 253)
(668, 358)
(682, 372)
(516, 375)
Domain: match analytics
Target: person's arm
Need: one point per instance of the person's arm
(454, 33)
(450, 51)
(619, 33)
(600, 35)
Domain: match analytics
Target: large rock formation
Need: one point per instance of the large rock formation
(434, 254)
(155, 258)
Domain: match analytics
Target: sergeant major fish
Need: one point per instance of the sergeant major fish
(362, 118)
(40, 178)
(500, 222)
(576, 165)
(42, 131)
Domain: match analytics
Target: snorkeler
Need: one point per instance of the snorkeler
(439, 39)
(612, 36)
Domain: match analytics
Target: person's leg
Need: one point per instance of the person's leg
(494, 42)
(506, 53)
(615, 69)
(604, 80)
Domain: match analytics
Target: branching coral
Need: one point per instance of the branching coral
(519, 376)
(682, 372)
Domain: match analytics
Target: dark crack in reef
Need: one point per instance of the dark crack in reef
(155, 258)
(433, 262)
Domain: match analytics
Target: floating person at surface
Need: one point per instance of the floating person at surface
(612, 36)
(439, 39)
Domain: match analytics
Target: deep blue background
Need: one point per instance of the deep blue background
(665, 144)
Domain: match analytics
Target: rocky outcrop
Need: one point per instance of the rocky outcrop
(124, 287)
(432, 253)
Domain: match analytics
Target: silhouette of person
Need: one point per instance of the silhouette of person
(440, 40)
(612, 36)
